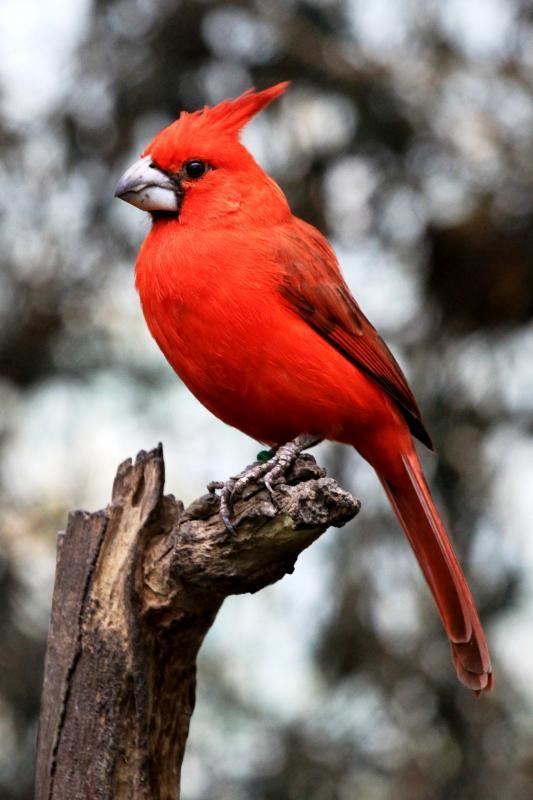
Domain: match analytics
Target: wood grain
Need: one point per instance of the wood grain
(137, 587)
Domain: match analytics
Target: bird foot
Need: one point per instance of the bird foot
(269, 473)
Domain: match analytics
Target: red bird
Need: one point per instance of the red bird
(248, 304)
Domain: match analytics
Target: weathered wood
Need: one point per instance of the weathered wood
(137, 587)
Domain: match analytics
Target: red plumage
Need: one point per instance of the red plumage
(248, 305)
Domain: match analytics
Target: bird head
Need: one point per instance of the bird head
(196, 169)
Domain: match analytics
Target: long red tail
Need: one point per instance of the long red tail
(413, 504)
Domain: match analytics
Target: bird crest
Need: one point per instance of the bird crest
(208, 126)
(230, 116)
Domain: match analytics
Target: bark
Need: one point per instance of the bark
(137, 587)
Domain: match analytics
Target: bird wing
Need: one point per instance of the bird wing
(312, 284)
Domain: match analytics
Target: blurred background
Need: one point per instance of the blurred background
(406, 136)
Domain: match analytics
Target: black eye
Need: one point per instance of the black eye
(195, 169)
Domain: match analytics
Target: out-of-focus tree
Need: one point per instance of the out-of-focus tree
(407, 136)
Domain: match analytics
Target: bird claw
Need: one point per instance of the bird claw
(269, 473)
(226, 492)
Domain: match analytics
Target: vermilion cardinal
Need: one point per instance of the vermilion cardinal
(248, 304)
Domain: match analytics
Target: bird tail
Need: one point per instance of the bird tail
(414, 506)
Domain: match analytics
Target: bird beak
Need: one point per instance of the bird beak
(145, 186)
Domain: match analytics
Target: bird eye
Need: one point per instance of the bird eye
(195, 169)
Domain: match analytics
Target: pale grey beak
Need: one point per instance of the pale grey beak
(146, 187)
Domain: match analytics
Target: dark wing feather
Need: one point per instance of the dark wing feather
(314, 287)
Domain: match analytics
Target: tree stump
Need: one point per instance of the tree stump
(137, 587)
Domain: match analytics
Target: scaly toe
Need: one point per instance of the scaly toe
(268, 472)
(226, 489)
(251, 475)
